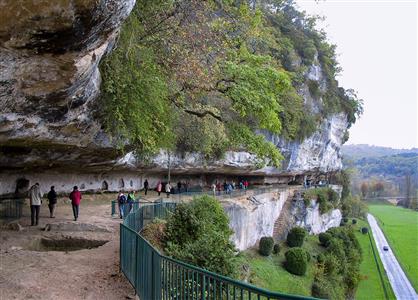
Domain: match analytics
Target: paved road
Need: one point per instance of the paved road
(400, 283)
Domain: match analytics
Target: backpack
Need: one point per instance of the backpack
(122, 199)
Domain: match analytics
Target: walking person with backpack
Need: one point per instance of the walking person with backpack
(52, 199)
(75, 198)
(35, 197)
(121, 203)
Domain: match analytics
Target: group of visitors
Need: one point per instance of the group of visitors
(125, 203)
(35, 197)
(228, 187)
(169, 189)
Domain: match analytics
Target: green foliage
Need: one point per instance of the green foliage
(324, 238)
(341, 261)
(296, 236)
(296, 262)
(134, 106)
(354, 207)
(266, 245)
(198, 233)
(326, 197)
(276, 249)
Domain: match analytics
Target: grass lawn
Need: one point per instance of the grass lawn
(400, 226)
(370, 286)
(268, 273)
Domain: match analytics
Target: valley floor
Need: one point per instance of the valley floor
(400, 227)
(268, 272)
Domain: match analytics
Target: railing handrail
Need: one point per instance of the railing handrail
(223, 279)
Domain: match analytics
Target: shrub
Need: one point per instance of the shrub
(155, 233)
(354, 221)
(276, 249)
(266, 245)
(345, 220)
(321, 288)
(198, 233)
(333, 196)
(296, 262)
(324, 238)
(364, 230)
(320, 258)
(308, 256)
(296, 236)
(331, 264)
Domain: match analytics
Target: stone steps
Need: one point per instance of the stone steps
(281, 225)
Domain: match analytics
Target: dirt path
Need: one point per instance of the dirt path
(83, 274)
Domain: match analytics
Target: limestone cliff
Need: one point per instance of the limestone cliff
(49, 89)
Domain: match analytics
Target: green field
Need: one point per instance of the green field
(400, 226)
(370, 286)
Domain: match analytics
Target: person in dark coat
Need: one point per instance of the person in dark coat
(146, 186)
(179, 186)
(52, 201)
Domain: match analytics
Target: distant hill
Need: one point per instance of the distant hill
(367, 151)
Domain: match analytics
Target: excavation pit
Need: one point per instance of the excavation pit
(65, 244)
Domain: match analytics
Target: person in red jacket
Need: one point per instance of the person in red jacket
(75, 198)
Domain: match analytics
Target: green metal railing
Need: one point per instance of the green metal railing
(11, 208)
(156, 276)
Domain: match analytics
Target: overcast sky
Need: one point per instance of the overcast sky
(377, 46)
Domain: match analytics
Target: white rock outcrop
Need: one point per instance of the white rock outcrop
(315, 222)
(252, 219)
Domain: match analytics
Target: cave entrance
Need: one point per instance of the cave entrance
(105, 186)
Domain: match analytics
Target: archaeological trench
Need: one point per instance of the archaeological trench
(49, 133)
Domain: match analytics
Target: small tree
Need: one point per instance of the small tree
(324, 238)
(296, 236)
(364, 230)
(266, 245)
(198, 233)
(296, 261)
(276, 249)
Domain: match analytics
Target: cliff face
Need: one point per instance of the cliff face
(49, 56)
(255, 217)
(49, 97)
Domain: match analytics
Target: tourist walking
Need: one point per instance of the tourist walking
(179, 186)
(35, 198)
(131, 200)
(168, 189)
(146, 185)
(121, 203)
(52, 199)
(75, 197)
(159, 188)
(214, 189)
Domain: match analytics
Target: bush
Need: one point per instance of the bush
(345, 220)
(155, 233)
(276, 249)
(198, 233)
(320, 258)
(364, 230)
(324, 238)
(296, 236)
(296, 262)
(308, 256)
(266, 245)
(331, 264)
(354, 221)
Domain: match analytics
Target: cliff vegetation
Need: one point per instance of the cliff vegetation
(207, 76)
